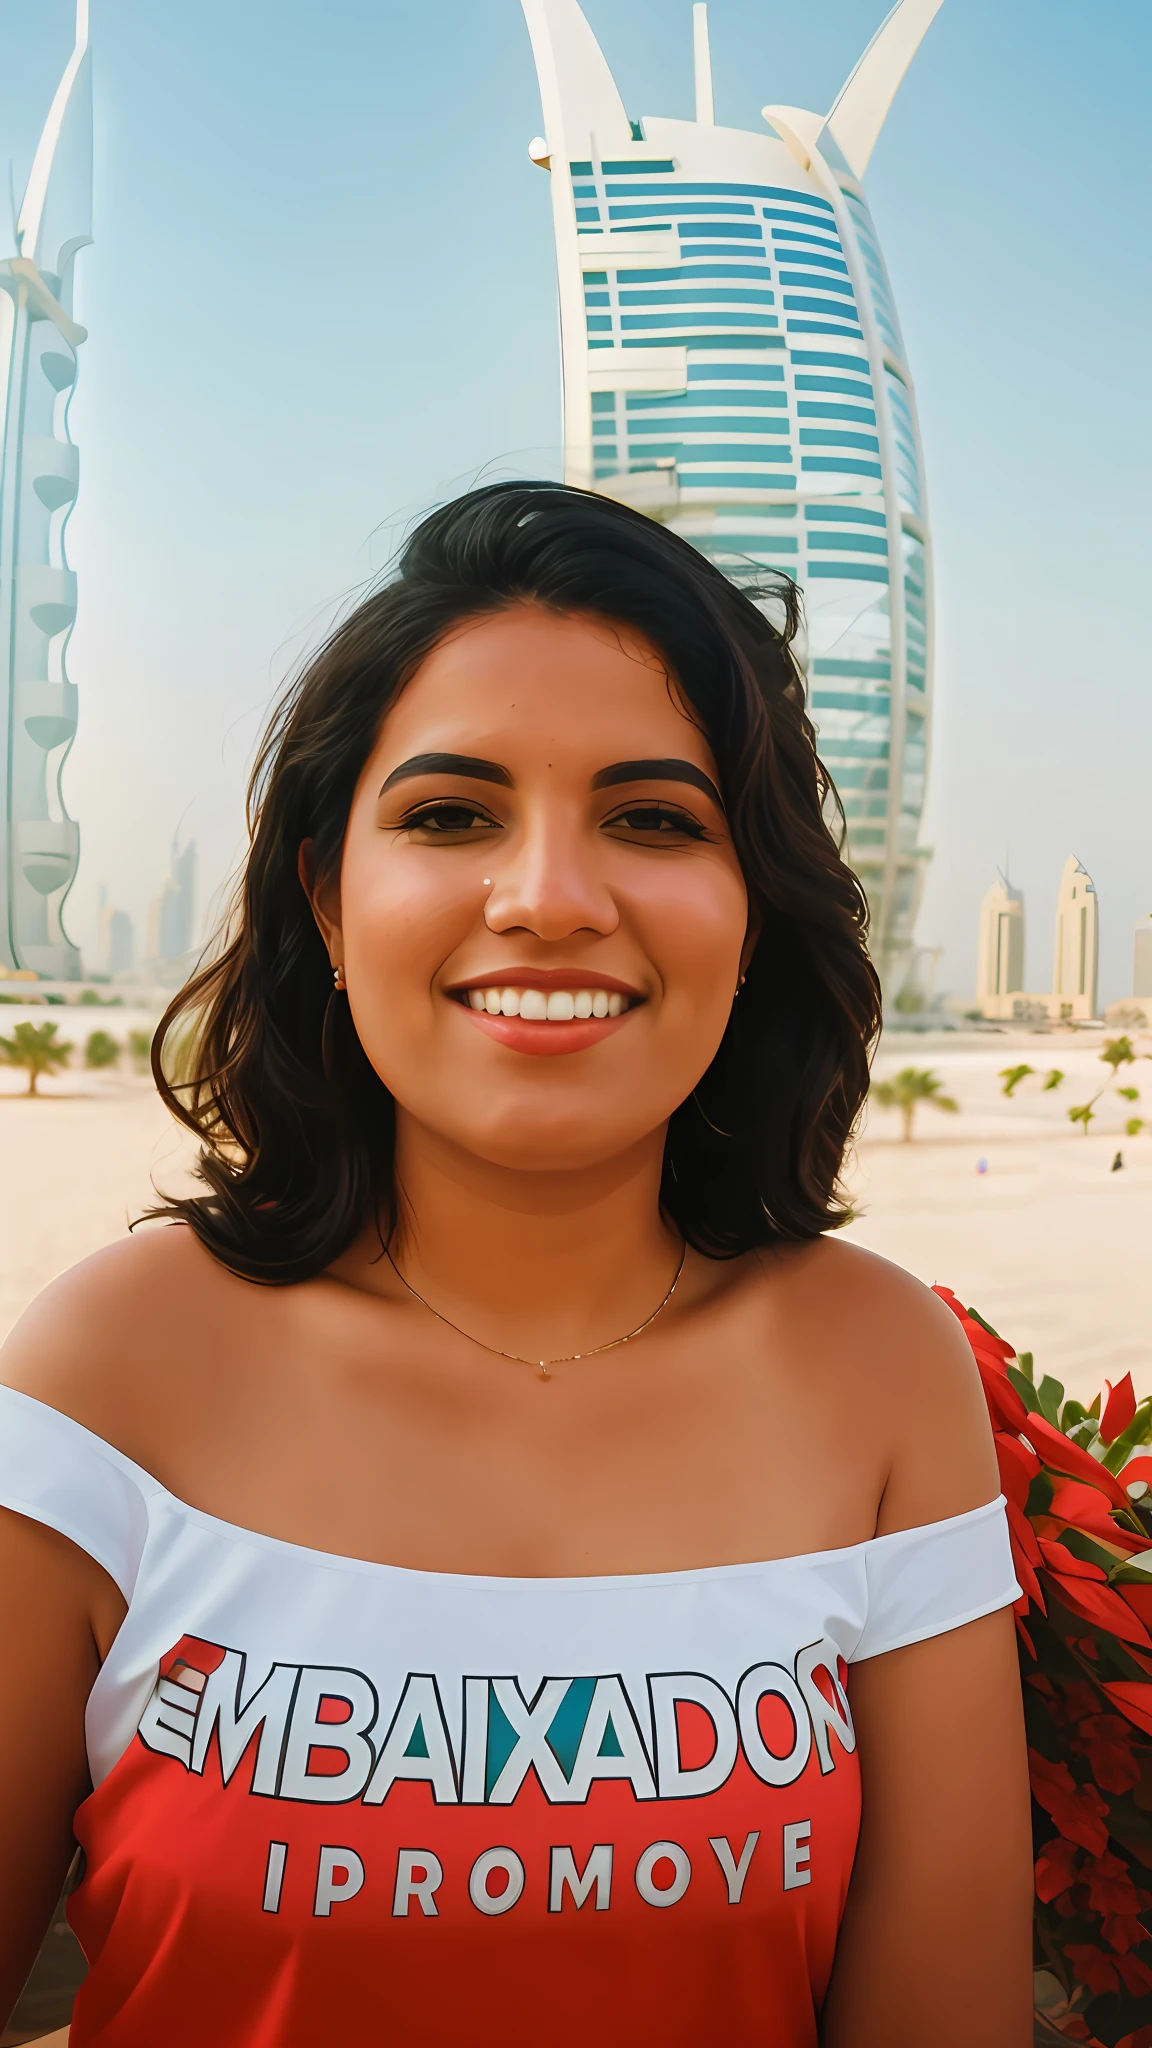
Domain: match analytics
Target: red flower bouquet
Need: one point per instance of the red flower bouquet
(1082, 1546)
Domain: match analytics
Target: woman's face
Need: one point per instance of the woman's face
(540, 914)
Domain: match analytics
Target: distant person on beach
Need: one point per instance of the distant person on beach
(491, 1567)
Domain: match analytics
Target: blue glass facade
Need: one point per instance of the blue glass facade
(779, 428)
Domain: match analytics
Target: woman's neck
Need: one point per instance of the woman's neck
(535, 1263)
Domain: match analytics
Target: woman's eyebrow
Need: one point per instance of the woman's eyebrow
(468, 765)
(658, 771)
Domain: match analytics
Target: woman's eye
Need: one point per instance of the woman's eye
(449, 818)
(660, 820)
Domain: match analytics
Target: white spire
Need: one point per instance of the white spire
(862, 107)
(702, 60)
(30, 222)
(577, 90)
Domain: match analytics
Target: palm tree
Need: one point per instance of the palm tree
(910, 1086)
(37, 1048)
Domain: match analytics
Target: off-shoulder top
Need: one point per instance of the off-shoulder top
(339, 1801)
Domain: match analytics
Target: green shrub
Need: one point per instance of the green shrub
(102, 1050)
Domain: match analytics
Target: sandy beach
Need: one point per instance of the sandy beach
(1048, 1242)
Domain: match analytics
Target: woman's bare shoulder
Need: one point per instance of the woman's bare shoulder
(866, 1308)
(894, 1360)
(102, 1339)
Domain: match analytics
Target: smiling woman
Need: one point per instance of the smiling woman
(600, 684)
(382, 1681)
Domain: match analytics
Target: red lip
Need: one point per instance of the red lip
(520, 1034)
(545, 978)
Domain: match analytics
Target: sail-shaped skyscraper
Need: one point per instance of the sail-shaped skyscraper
(39, 842)
(733, 366)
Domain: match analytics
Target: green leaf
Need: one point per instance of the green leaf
(1129, 1094)
(1133, 1127)
(1052, 1079)
(978, 1318)
(1024, 1363)
(1072, 1415)
(1040, 1493)
(1051, 1394)
(1026, 1391)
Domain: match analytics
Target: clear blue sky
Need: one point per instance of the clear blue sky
(321, 297)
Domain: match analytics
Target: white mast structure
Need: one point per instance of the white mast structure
(39, 842)
(733, 366)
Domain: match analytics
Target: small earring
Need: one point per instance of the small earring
(740, 984)
(338, 977)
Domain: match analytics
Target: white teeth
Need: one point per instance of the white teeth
(558, 1007)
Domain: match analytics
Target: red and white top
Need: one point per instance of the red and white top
(338, 1801)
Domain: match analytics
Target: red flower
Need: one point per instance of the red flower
(1119, 1408)
(1107, 1744)
(1142, 2038)
(1079, 1700)
(1136, 1468)
(1025, 1556)
(1139, 1599)
(1056, 1867)
(1086, 1508)
(1062, 1455)
(1134, 1701)
(1123, 1931)
(1018, 1467)
(1110, 1889)
(1137, 1976)
(1083, 1588)
(1092, 1967)
(1078, 1810)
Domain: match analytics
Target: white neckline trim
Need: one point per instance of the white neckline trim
(332, 1560)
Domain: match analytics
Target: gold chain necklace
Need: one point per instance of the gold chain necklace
(543, 1363)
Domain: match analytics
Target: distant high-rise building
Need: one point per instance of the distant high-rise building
(39, 842)
(171, 916)
(115, 938)
(1000, 964)
(1000, 989)
(733, 366)
(1142, 958)
(1077, 942)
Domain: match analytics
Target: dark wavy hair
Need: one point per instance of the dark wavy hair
(260, 1058)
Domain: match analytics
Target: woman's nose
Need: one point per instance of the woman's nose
(550, 883)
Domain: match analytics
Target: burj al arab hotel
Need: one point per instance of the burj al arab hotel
(733, 366)
(39, 842)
